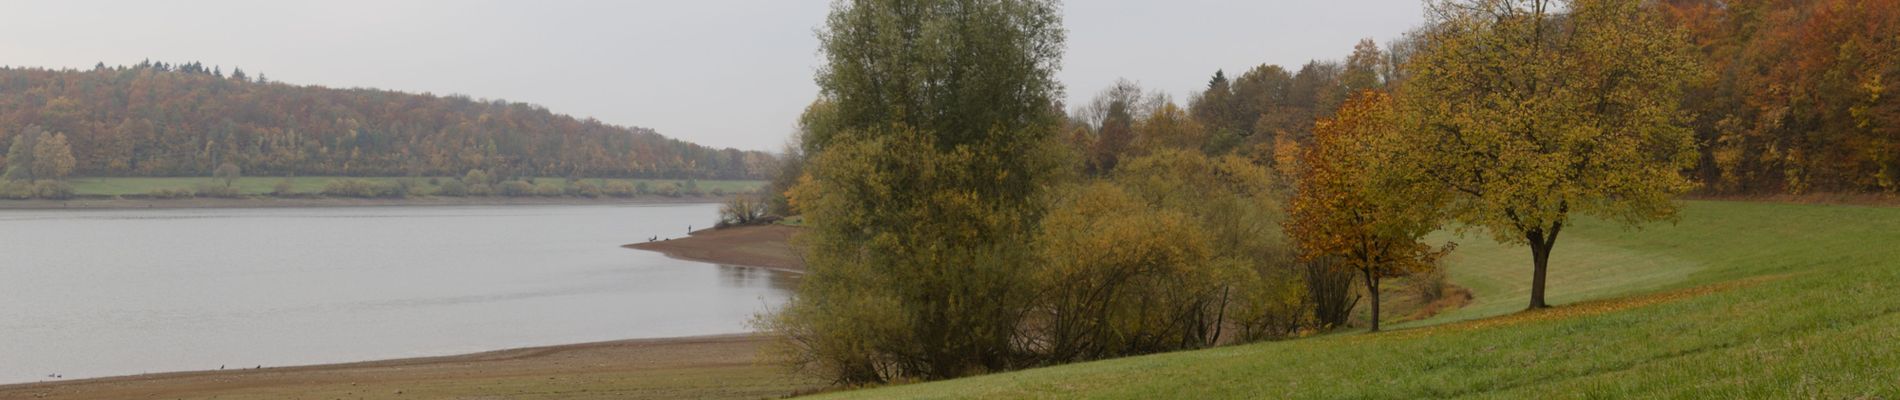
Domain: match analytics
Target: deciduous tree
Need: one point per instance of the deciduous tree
(1111, 118)
(922, 205)
(227, 173)
(1533, 111)
(20, 154)
(1354, 209)
(1169, 127)
(52, 157)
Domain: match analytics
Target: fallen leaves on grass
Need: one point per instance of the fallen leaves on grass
(1583, 309)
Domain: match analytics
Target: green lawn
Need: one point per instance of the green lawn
(1739, 300)
(258, 185)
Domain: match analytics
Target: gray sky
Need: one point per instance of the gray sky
(720, 73)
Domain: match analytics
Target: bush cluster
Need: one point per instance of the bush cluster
(583, 189)
(621, 189)
(215, 190)
(45, 189)
(359, 188)
(282, 188)
(668, 190)
(17, 190)
(742, 210)
(1174, 251)
(56, 190)
(170, 193)
(515, 189)
(452, 188)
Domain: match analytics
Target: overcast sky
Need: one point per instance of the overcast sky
(720, 73)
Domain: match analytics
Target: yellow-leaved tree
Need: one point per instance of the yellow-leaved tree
(1530, 111)
(1121, 277)
(52, 157)
(1170, 127)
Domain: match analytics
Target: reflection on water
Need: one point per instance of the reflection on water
(738, 276)
(98, 293)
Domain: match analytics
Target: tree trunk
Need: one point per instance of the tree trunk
(1540, 267)
(1541, 244)
(1372, 287)
(1330, 290)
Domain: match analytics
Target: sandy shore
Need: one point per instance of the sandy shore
(703, 367)
(272, 202)
(764, 246)
(694, 367)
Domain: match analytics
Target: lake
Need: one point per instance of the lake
(90, 293)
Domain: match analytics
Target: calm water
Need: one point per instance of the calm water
(101, 293)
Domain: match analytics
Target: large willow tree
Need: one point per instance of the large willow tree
(1530, 111)
(924, 188)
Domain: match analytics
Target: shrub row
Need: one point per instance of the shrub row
(22, 190)
(359, 188)
(575, 188)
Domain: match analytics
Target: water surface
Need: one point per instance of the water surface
(116, 292)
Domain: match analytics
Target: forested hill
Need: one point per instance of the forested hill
(155, 119)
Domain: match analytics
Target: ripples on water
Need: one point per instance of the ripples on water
(115, 292)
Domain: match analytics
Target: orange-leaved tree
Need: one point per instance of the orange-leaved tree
(1353, 208)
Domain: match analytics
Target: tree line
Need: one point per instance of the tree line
(1794, 97)
(961, 221)
(1799, 97)
(158, 119)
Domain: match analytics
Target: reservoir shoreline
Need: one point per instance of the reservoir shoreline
(711, 366)
(761, 246)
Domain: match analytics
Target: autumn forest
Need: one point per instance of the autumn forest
(159, 119)
(1795, 97)
(973, 203)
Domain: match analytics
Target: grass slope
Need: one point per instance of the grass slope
(258, 185)
(1739, 300)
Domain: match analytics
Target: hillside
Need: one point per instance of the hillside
(1739, 300)
(184, 120)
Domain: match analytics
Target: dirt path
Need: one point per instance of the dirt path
(765, 246)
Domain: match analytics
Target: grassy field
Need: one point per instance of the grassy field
(260, 185)
(1739, 300)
